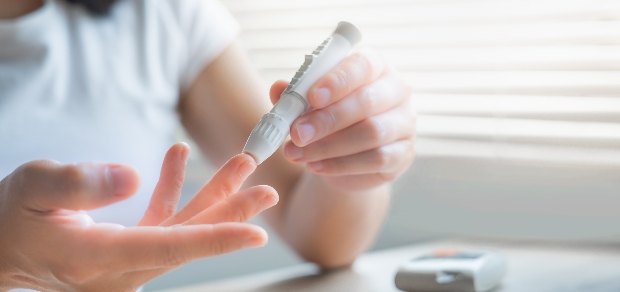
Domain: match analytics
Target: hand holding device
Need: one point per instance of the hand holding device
(270, 132)
(360, 131)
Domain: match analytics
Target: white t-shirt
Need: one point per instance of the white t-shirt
(77, 88)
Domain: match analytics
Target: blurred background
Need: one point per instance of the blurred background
(519, 116)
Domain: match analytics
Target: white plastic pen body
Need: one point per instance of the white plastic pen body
(274, 126)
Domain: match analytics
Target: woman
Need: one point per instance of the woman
(105, 81)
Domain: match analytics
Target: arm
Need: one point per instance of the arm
(329, 215)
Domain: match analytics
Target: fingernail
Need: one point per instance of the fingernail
(316, 166)
(245, 169)
(267, 202)
(321, 96)
(256, 240)
(122, 180)
(305, 132)
(293, 152)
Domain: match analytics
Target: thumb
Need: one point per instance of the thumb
(46, 185)
(276, 90)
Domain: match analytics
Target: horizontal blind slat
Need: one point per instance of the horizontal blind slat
(447, 13)
(592, 134)
(563, 58)
(497, 150)
(596, 109)
(411, 36)
(568, 83)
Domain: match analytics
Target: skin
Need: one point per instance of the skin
(364, 139)
(43, 200)
(12, 9)
(333, 180)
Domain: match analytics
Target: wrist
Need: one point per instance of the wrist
(7, 271)
(6, 276)
(13, 277)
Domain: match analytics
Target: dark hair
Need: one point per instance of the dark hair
(95, 7)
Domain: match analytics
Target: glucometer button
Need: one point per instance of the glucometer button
(445, 277)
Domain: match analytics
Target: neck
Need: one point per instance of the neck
(15, 8)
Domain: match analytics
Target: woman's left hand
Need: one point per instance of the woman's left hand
(361, 131)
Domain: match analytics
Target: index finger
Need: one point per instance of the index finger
(356, 70)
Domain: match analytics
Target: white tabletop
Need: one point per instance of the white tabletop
(532, 267)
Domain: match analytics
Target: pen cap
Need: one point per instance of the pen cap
(349, 31)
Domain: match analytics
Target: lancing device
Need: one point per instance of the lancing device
(273, 127)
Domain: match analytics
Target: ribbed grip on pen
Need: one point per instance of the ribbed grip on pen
(266, 137)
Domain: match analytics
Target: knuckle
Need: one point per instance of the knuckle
(217, 247)
(171, 258)
(33, 168)
(227, 188)
(383, 157)
(335, 165)
(172, 255)
(236, 213)
(339, 78)
(73, 179)
(327, 120)
(369, 61)
(389, 176)
(368, 100)
(168, 209)
(164, 211)
(376, 130)
(240, 214)
(177, 183)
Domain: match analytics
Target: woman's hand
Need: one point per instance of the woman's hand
(48, 244)
(361, 132)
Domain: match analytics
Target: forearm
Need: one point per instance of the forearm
(321, 223)
(329, 226)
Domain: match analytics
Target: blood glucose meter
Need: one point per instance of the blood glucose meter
(452, 270)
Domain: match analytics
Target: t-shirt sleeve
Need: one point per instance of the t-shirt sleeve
(208, 28)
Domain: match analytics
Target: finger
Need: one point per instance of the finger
(276, 90)
(150, 247)
(239, 207)
(379, 130)
(356, 70)
(168, 190)
(387, 159)
(365, 102)
(46, 185)
(224, 183)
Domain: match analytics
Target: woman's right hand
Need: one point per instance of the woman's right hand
(47, 243)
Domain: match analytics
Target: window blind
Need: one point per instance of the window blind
(531, 80)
